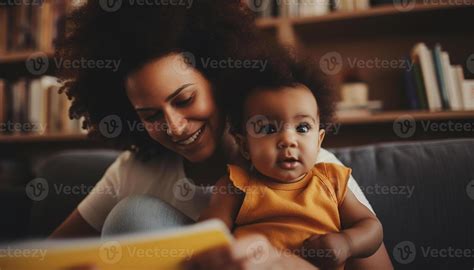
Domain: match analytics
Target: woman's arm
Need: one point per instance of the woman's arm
(74, 226)
(225, 202)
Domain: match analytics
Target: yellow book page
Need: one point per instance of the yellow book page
(165, 250)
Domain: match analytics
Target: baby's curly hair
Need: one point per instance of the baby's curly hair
(282, 70)
(135, 35)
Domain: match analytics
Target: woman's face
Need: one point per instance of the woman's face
(177, 106)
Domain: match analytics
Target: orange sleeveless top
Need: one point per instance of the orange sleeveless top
(289, 213)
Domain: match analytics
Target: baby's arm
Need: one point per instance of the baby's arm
(361, 235)
(225, 202)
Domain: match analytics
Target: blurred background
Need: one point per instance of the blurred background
(403, 71)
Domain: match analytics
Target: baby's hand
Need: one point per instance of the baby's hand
(327, 251)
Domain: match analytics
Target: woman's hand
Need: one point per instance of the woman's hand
(328, 251)
(252, 252)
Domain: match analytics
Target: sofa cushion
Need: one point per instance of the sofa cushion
(423, 195)
(69, 176)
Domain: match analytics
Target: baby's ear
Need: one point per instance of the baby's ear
(322, 133)
(243, 146)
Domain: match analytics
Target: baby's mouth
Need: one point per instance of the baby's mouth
(288, 163)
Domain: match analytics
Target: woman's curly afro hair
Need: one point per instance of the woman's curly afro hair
(136, 34)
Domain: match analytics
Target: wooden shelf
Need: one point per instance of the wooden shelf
(42, 138)
(378, 11)
(391, 116)
(15, 57)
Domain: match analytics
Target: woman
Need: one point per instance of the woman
(167, 102)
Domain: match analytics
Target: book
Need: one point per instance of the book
(420, 87)
(32, 27)
(3, 30)
(440, 72)
(468, 94)
(3, 116)
(459, 80)
(454, 95)
(166, 249)
(313, 8)
(35, 106)
(410, 88)
(361, 4)
(18, 106)
(423, 55)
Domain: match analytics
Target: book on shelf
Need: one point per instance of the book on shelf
(423, 55)
(31, 27)
(411, 87)
(303, 8)
(434, 83)
(350, 110)
(34, 106)
(166, 249)
(441, 76)
(468, 94)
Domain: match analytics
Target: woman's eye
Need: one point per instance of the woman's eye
(303, 128)
(154, 117)
(184, 102)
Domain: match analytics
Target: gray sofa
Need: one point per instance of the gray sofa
(421, 191)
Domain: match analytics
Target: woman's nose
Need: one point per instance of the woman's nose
(176, 124)
(287, 139)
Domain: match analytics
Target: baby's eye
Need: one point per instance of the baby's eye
(303, 128)
(268, 129)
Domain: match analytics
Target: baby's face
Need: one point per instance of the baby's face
(282, 132)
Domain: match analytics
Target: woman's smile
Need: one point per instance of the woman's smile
(192, 139)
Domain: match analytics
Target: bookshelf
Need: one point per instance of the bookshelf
(58, 137)
(391, 116)
(16, 57)
(381, 31)
(385, 32)
(385, 11)
(28, 94)
(28, 97)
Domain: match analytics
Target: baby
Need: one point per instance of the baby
(284, 194)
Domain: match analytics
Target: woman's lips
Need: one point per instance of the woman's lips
(192, 138)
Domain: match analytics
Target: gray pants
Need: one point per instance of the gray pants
(142, 214)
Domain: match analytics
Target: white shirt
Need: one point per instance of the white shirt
(165, 179)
